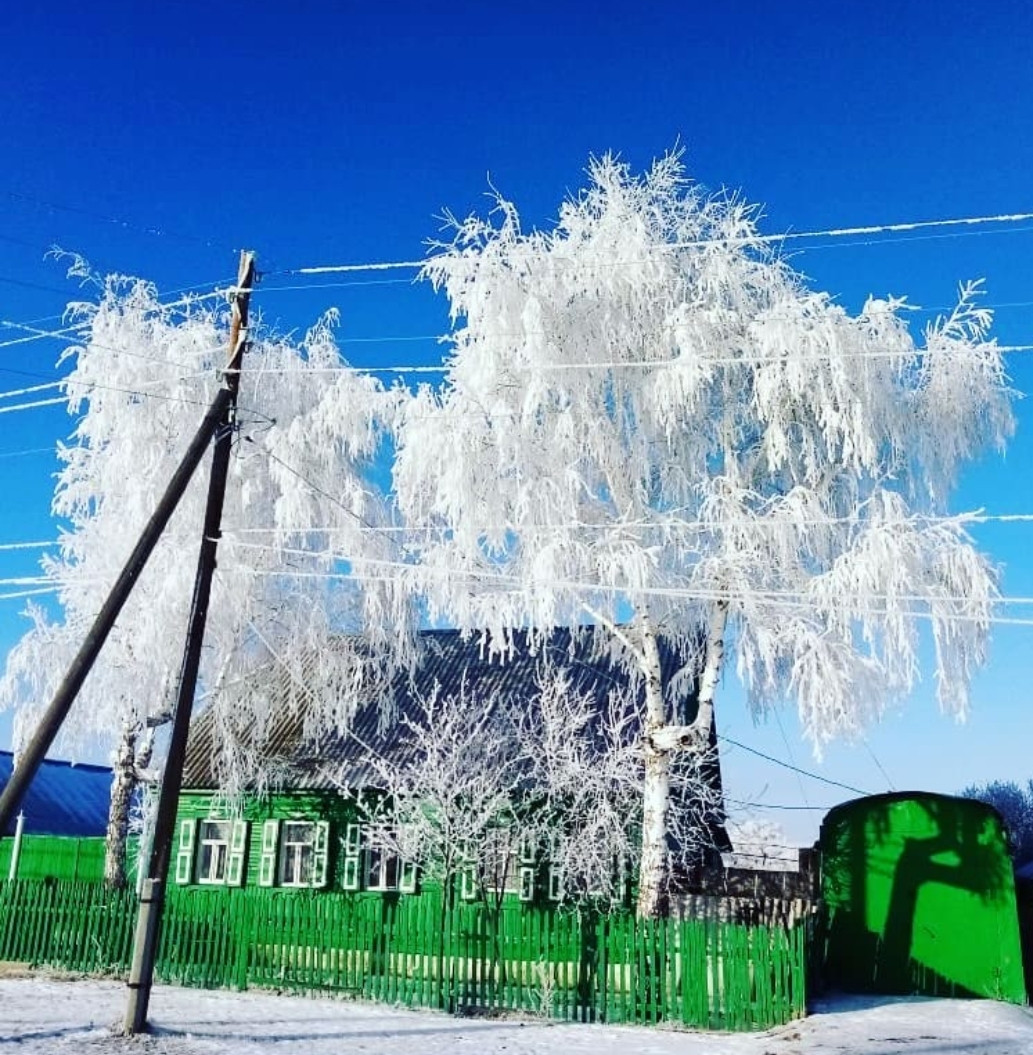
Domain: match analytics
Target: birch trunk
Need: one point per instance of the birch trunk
(656, 787)
(122, 784)
(660, 741)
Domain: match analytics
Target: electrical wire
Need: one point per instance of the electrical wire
(27, 451)
(795, 598)
(114, 221)
(777, 806)
(878, 764)
(32, 406)
(834, 232)
(32, 388)
(961, 519)
(795, 769)
(612, 364)
(28, 593)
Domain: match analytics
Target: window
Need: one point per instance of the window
(370, 864)
(212, 852)
(294, 853)
(506, 864)
(381, 869)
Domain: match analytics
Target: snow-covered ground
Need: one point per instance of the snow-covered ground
(40, 1014)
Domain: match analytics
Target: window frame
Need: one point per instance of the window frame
(193, 840)
(358, 854)
(202, 876)
(308, 852)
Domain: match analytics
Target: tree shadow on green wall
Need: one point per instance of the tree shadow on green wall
(884, 855)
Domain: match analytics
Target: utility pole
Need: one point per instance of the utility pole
(35, 751)
(152, 897)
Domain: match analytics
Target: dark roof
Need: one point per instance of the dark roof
(447, 661)
(63, 799)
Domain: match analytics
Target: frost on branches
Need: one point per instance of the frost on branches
(298, 479)
(536, 790)
(650, 423)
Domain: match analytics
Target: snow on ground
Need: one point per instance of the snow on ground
(41, 1014)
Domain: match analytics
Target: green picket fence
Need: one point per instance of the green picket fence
(411, 950)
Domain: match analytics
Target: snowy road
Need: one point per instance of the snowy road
(44, 1015)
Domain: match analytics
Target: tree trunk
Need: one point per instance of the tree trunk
(660, 741)
(656, 788)
(122, 784)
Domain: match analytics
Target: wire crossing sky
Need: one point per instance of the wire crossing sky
(139, 147)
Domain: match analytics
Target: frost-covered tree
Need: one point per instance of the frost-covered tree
(139, 382)
(1015, 805)
(760, 844)
(547, 775)
(650, 422)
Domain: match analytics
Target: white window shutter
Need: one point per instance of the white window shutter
(237, 854)
(555, 871)
(555, 882)
(185, 854)
(407, 877)
(350, 874)
(267, 862)
(526, 883)
(320, 853)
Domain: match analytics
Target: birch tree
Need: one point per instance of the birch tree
(650, 422)
(140, 380)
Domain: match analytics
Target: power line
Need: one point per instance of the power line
(32, 406)
(795, 769)
(68, 331)
(914, 238)
(334, 285)
(105, 388)
(777, 806)
(28, 593)
(222, 288)
(611, 364)
(36, 335)
(761, 521)
(798, 597)
(878, 764)
(32, 285)
(32, 388)
(114, 221)
(803, 606)
(27, 451)
(834, 232)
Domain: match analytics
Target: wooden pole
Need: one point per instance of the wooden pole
(148, 927)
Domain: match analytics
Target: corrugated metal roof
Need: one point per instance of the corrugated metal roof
(63, 799)
(447, 662)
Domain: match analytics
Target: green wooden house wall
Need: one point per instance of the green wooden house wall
(341, 815)
(254, 811)
(920, 898)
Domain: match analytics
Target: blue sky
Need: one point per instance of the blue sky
(158, 140)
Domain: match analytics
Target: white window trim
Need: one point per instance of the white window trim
(319, 844)
(206, 879)
(284, 856)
